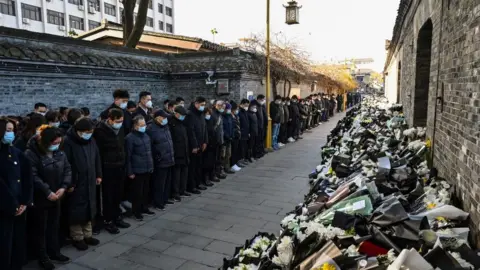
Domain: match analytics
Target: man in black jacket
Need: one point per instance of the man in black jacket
(181, 152)
(145, 106)
(276, 114)
(110, 138)
(197, 139)
(244, 130)
(295, 119)
(120, 101)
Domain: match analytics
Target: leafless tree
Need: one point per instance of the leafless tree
(133, 27)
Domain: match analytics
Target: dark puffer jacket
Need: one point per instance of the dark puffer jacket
(110, 145)
(181, 148)
(227, 127)
(252, 119)
(237, 133)
(162, 145)
(196, 128)
(138, 149)
(86, 165)
(243, 117)
(49, 174)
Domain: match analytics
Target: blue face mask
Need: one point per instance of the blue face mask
(221, 110)
(8, 137)
(202, 108)
(56, 124)
(123, 105)
(164, 121)
(208, 116)
(142, 129)
(237, 112)
(86, 136)
(181, 118)
(229, 111)
(53, 148)
(117, 125)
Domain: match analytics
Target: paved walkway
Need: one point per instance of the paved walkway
(199, 232)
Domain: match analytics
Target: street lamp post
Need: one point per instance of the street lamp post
(291, 17)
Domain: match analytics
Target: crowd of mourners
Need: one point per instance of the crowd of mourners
(65, 176)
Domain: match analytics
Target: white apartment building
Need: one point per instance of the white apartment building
(60, 17)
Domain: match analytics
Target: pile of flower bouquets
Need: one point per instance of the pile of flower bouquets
(374, 203)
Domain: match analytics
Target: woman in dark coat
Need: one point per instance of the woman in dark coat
(181, 150)
(210, 154)
(52, 176)
(138, 150)
(35, 121)
(252, 118)
(16, 189)
(84, 158)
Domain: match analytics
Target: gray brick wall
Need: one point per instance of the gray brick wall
(456, 131)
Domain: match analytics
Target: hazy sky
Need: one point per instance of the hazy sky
(328, 29)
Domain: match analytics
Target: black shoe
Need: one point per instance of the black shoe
(80, 245)
(97, 228)
(240, 164)
(185, 194)
(60, 259)
(177, 199)
(147, 212)
(138, 217)
(122, 224)
(209, 184)
(112, 228)
(215, 179)
(196, 191)
(200, 188)
(46, 264)
(91, 241)
(170, 202)
(221, 176)
(160, 208)
(229, 171)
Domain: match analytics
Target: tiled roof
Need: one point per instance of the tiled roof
(106, 25)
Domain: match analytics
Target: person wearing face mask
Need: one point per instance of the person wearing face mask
(180, 102)
(181, 152)
(283, 135)
(210, 156)
(120, 101)
(145, 106)
(16, 188)
(53, 118)
(52, 177)
(40, 108)
(163, 159)
(84, 158)
(139, 166)
(110, 138)
(262, 131)
(30, 130)
(295, 116)
(243, 117)
(252, 140)
(236, 134)
(218, 140)
(197, 141)
(276, 114)
(226, 149)
(72, 116)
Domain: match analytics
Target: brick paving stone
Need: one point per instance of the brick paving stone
(113, 249)
(157, 245)
(195, 266)
(221, 247)
(132, 240)
(153, 259)
(196, 255)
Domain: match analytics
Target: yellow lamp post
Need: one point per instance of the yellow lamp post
(291, 17)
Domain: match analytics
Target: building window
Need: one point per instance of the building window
(169, 11)
(160, 25)
(121, 15)
(150, 4)
(95, 4)
(76, 2)
(169, 28)
(110, 9)
(160, 8)
(31, 12)
(149, 22)
(76, 23)
(54, 17)
(92, 24)
(8, 8)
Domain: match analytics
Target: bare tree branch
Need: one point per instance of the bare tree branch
(137, 31)
(128, 17)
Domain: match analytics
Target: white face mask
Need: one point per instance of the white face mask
(149, 104)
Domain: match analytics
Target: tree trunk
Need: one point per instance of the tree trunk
(140, 21)
(274, 85)
(285, 93)
(128, 9)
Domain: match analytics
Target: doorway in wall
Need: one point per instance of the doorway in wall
(422, 78)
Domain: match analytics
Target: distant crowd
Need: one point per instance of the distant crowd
(64, 176)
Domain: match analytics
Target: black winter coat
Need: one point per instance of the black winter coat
(49, 174)
(209, 157)
(275, 112)
(16, 182)
(237, 133)
(259, 113)
(139, 111)
(252, 118)
(127, 118)
(181, 147)
(162, 145)
(294, 111)
(110, 145)
(227, 120)
(86, 165)
(244, 119)
(138, 151)
(286, 111)
(196, 128)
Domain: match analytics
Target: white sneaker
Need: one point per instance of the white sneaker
(281, 144)
(236, 168)
(291, 139)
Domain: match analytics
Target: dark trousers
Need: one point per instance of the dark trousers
(13, 241)
(113, 184)
(140, 188)
(236, 155)
(282, 137)
(243, 148)
(194, 171)
(260, 144)
(252, 141)
(45, 232)
(208, 174)
(179, 180)
(161, 182)
(218, 160)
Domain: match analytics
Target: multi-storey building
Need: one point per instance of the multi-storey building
(64, 17)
